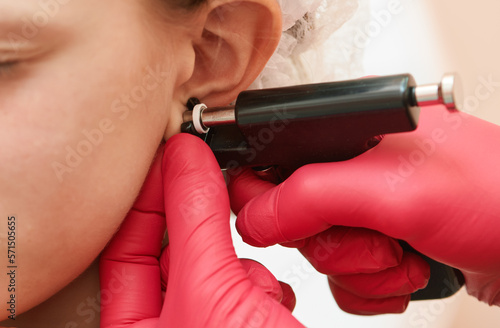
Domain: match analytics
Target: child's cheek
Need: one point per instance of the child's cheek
(70, 170)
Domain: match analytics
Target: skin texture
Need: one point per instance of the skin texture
(47, 101)
(85, 101)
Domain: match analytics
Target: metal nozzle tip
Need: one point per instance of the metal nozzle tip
(452, 91)
(448, 92)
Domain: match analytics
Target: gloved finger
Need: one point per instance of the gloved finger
(354, 304)
(289, 299)
(408, 277)
(205, 274)
(244, 186)
(260, 276)
(340, 193)
(345, 250)
(129, 269)
(318, 192)
(197, 208)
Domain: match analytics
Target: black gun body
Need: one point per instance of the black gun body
(294, 126)
(314, 123)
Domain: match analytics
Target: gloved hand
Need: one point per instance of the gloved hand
(368, 272)
(436, 188)
(206, 284)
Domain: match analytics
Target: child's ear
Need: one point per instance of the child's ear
(237, 40)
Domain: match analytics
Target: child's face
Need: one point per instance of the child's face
(87, 92)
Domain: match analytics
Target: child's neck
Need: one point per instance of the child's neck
(75, 306)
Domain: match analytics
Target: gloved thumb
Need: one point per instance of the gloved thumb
(205, 276)
(196, 206)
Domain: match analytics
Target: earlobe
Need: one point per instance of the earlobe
(237, 40)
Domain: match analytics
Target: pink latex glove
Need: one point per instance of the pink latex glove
(206, 284)
(436, 188)
(367, 271)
